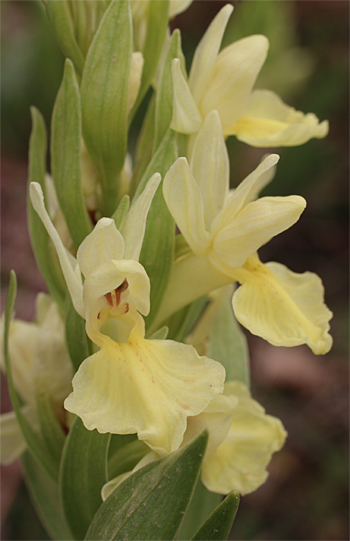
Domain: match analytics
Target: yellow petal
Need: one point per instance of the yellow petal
(68, 263)
(134, 225)
(101, 245)
(135, 78)
(178, 6)
(23, 338)
(247, 191)
(216, 418)
(186, 117)
(210, 166)
(240, 461)
(255, 225)
(148, 387)
(12, 441)
(232, 78)
(206, 53)
(268, 122)
(283, 307)
(185, 203)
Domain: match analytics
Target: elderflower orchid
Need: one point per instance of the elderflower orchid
(131, 385)
(242, 440)
(224, 230)
(40, 365)
(223, 81)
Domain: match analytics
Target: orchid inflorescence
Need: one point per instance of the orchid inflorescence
(149, 268)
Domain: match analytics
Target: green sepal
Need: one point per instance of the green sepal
(50, 428)
(164, 95)
(181, 323)
(151, 503)
(44, 252)
(45, 497)
(126, 458)
(61, 21)
(121, 212)
(83, 473)
(104, 98)
(33, 439)
(157, 253)
(66, 156)
(157, 24)
(218, 526)
(202, 504)
(78, 343)
(160, 334)
(228, 345)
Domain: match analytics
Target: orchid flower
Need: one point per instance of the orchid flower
(223, 81)
(40, 365)
(131, 385)
(242, 439)
(224, 230)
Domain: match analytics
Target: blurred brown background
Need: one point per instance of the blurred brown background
(306, 496)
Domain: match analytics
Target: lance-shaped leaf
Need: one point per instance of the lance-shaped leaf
(182, 322)
(51, 430)
(78, 344)
(150, 504)
(104, 98)
(217, 527)
(60, 18)
(144, 149)
(45, 497)
(44, 254)
(228, 344)
(35, 444)
(65, 156)
(83, 473)
(202, 505)
(126, 458)
(164, 96)
(157, 24)
(157, 252)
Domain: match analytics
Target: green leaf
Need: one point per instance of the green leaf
(219, 524)
(78, 344)
(82, 475)
(157, 253)
(150, 504)
(104, 98)
(164, 96)
(33, 440)
(45, 497)
(65, 156)
(157, 24)
(62, 24)
(228, 345)
(121, 211)
(43, 249)
(202, 504)
(126, 458)
(183, 321)
(144, 149)
(161, 334)
(51, 430)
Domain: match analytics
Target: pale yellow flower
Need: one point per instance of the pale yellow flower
(224, 229)
(242, 440)
(223, 81)
(40, 364)
(131, 385)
